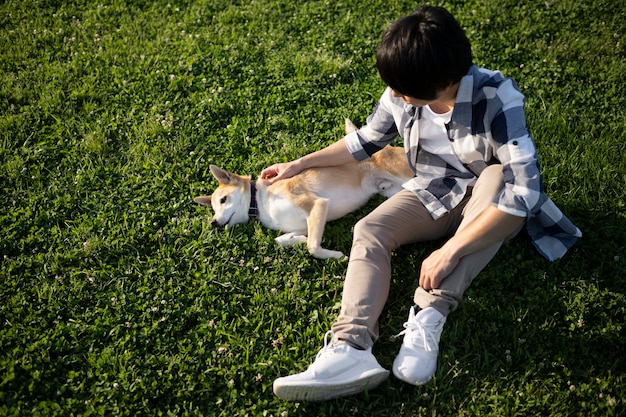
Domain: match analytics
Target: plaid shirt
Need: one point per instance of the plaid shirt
(488, 126)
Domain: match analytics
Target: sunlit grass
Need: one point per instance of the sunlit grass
(118, 298)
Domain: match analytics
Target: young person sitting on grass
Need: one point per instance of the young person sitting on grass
(477, 182)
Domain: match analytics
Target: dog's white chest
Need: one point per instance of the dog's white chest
(281, 214)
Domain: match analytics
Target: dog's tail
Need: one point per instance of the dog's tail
(350, 127)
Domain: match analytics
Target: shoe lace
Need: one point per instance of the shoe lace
(420, 333)
(329, 335)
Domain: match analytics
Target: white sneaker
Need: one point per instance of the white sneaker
(417, 361)
(338, 370)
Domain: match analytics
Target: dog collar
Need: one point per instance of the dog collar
(253, 211)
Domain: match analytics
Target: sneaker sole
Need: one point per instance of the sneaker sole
(323, 392)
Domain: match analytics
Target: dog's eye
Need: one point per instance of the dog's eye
(222, 200)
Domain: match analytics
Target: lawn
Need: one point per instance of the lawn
(117, 297)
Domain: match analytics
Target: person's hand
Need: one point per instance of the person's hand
(436, 268)
(280, 171)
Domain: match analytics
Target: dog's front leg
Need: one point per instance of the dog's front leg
(316, 222)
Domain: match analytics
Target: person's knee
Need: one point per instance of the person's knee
(362, 228)
(491, 180)
(493, 173)
(372, 242)
(372, 231)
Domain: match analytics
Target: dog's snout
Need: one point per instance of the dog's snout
(217, 225)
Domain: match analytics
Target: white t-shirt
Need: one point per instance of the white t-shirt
(433, 136)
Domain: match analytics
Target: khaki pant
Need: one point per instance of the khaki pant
(400, 220)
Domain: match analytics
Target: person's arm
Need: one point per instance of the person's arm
(515, 150)
(332, 155)
(489, 227)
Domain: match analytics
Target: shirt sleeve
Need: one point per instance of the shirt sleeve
(521, 195)
(378, 132)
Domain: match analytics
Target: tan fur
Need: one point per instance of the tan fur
(301, 205)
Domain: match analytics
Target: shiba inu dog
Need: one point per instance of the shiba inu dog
(301, 205)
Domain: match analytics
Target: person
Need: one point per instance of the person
(477, 182)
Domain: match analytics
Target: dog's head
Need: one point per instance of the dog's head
(230, 201)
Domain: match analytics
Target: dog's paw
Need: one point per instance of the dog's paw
(321, 253)
(290, 239)
(384, 185)
(389, 189)
(349, 127)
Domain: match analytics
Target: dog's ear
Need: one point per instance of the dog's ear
(222, 175)
(203, 200)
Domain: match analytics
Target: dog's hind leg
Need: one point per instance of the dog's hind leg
(317, 222)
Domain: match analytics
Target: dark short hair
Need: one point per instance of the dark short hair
(423, 53)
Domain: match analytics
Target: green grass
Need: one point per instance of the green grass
(118, 298)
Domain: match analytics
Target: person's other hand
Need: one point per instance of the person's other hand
(436, 268)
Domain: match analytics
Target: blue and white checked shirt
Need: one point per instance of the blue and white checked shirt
(488, 126)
